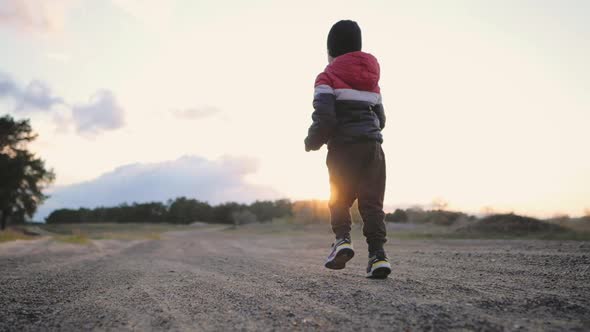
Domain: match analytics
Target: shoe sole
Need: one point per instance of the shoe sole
(342, 257)
(380, 272)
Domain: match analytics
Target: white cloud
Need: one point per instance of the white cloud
(191, 176)
(101, 113)
(35, 96)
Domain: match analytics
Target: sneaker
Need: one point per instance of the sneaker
(379, 267)
(342, 252)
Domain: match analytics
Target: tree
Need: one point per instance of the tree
(65, 216)
(243, 217)
(268, 210)
(187, 210)
(398, 215)
(23, 177)
(223, 213)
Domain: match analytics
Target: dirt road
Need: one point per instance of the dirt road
(221, 280)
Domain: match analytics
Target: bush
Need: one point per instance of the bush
(437, 217)
(398, 215)
(511, 224)
(244, 217)
(268, 210)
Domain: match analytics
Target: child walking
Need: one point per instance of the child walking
(348, 116)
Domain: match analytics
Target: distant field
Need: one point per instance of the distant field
(83, 233)
(102, 228)
(427, 231)
(410, 231)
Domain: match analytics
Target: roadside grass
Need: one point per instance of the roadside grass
(581, 225)
(289, 227)
(80, 239)
(279, 227)
(84, 233)
(437, 234)
(284, 227)
(128, 236)
(11, 235)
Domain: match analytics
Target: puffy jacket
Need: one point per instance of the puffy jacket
(347, 103)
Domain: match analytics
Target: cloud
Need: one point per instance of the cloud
(196, 113)
(8, 87)
(101, 113)
(35, 96)
(35, 15)
(191, 176)
(38, 95)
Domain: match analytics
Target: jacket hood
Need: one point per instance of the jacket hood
(359, 70)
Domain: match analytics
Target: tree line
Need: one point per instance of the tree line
(181, 210)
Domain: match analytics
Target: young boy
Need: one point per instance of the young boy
(349, 117)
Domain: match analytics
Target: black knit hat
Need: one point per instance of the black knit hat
(344, 37)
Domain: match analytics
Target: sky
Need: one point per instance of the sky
(487, 101)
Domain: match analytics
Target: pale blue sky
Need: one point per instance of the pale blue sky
(487, 101)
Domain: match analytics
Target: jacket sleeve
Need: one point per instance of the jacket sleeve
(380, 112)
(324, 115)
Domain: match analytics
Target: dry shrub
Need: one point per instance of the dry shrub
(511, 224)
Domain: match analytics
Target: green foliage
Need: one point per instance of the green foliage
(398, 215)
(23, 177)
(145, 212)
(511, 224)
(419, 216)
(185, 211)
(224, 213)
(426, 223)
(269, 210)
(243, 217)
(181, 210)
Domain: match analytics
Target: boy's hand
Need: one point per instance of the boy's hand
(309, 146)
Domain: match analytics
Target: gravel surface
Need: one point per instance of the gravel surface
(220, 280)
